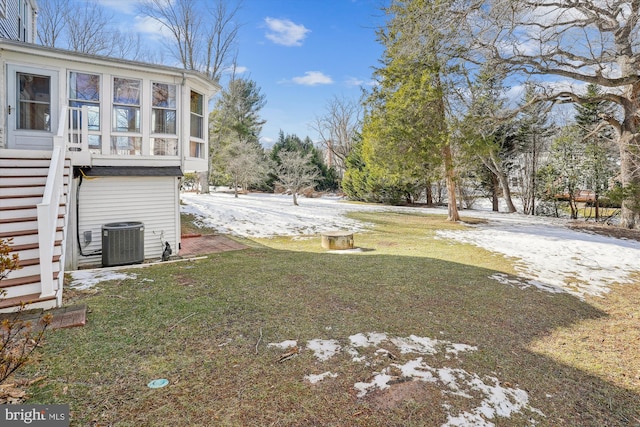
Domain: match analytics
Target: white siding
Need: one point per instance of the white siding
(150, 200)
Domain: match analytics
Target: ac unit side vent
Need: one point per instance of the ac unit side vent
(122, 243)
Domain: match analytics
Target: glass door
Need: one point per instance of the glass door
(32, 107)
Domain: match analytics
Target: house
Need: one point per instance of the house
(92, 151)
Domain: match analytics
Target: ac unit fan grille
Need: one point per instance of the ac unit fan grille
(122, 243)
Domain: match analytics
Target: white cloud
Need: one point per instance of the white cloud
(128, 7)
(357, 82)
(285, 32)
(239, 69)
(313, 78)
(150, 27)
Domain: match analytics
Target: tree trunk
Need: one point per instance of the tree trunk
(573, 206)
(203, 180)
(235, 187)
(495, 167)
(495, 202)
(429, 194)
(450, 175)
(295, 199)
(629, 213)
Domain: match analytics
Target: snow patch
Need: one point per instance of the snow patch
(85, 279)
(317, 378)
(284, 345)
(324, 349)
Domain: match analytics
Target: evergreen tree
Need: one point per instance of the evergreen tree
(597, 134)
(405, 127)
(489, 137)
(235, 127)
(533, 136)
(327, 179)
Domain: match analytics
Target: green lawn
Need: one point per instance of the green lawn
(206, 325)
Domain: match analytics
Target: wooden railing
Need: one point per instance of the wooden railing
(47, 212)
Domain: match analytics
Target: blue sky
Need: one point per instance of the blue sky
(304, 52)
(301, 53)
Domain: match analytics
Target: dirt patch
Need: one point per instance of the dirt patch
(402, 393)
(606, 230)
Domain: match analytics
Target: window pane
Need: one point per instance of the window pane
(95, 143)
(126, 145)
(164, 147)
(164, 95)
(126, 91)
(33, 116)
(196, 126)
(84, 86)
(164, 121)
(34, 96)
(197, 150)
(126, 119)
(34, 88)
(196, 103)
(93, 114)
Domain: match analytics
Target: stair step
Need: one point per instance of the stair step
(35, 261)
(30, 162)
(27, 246)
(20, 241)
(28, 270)
(23, 227)
(24, 171)
(23, 212)
(23, 177)
(27, 231)
(7, 191)
(24, 280)
(20, 201)
(32, 301)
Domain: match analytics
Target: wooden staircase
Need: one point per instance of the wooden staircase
(23, 177)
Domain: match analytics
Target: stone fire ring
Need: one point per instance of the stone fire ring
(337, 240)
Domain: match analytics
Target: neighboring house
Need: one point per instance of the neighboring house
(88, 142)
(18, 20)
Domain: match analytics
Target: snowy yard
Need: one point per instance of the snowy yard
(548, 254)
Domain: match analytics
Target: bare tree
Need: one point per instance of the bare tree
(583, 41)
(88, 29)
(51, 21)
(296, 172)
(337, 129)
(85, 27)
(201, 40)
(245, 164)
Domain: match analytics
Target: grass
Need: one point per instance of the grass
(205, 326)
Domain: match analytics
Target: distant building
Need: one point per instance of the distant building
(18, 20)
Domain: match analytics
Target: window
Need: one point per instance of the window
(126, 105)
(84, 90)
(126, 145)
(197, 115)
(163, 113)
(164, 146)
(196, 148)
(34, 102)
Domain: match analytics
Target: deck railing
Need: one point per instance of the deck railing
(77, 136)
(47, 212)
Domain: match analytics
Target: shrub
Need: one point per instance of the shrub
(18, 337)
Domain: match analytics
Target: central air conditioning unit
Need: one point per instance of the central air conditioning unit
(122, 243)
